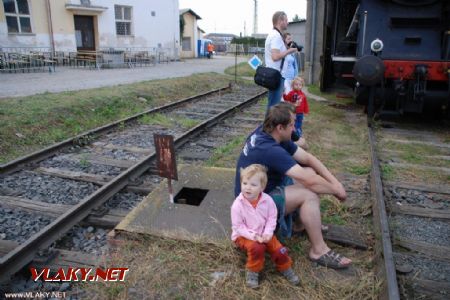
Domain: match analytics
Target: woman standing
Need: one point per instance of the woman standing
(290, 67)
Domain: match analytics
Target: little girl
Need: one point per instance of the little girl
(298, 98)
(253, 220)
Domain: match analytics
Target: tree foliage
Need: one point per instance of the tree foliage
(249, 41)
(297, 19)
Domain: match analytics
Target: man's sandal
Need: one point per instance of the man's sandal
(331, 259)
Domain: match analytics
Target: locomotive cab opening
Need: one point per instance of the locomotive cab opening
(446, 46)
(340, 44)
(412, 71)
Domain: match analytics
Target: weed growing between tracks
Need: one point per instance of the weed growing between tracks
(33, 122)
(413, 154)
(167, 121)
(227, 155)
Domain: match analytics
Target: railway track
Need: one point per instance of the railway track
(104, 173)
(89, 177)
(411, 211)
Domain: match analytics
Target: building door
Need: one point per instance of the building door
(84, 32)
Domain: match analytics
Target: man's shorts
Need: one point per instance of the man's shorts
(284, 223)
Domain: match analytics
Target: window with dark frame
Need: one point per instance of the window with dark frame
(123, 19)
(17, 15)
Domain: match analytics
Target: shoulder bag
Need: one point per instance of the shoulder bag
(268, 77)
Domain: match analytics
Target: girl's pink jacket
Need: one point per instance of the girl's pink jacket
(247, 221)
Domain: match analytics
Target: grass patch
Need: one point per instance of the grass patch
(412, 158)
(33, 122)
(230, 151)
(314, 89)
(337, 138)
(419, 176)
(187, 122)
(427, 160)
(359, 170)
(414, 154)
(157, 119)
(242, 69)
(84, 162)
(387, 172)
(332, 212)
(166, 121)
(412, 150)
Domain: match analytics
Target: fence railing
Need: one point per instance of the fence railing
(30, 59)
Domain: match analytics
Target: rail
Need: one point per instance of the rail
(387, 267)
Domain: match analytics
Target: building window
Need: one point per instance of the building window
(17, 16)
(123, 19)
(186, 44)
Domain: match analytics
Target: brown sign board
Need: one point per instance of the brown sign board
(165, 156)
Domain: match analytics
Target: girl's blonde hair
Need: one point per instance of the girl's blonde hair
(255, 169)
(299, 80)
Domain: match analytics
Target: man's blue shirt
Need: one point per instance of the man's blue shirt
(261, 148)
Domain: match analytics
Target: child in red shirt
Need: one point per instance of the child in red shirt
(298, 98)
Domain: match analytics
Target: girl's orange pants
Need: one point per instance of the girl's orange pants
(255, 253)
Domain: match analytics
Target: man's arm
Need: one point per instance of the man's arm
(277, 54)
(319, 179)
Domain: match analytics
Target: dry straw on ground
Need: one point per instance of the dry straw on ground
(168, 269)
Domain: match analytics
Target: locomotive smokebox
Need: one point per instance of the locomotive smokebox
(369, 70)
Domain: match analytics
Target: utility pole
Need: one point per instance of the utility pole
(255, 18)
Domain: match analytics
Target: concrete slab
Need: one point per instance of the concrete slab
(209, 221)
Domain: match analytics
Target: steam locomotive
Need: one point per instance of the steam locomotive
(394, 53)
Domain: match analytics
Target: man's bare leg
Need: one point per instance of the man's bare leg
(308, 202)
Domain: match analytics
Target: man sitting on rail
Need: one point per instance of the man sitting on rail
(270, 145)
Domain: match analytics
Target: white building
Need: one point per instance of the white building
(71, 25)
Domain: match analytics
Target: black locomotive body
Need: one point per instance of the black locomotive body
(396, 51)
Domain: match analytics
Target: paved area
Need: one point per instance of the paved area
(210, 220)
(70, 79)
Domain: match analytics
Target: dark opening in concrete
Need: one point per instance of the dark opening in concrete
(190, 196)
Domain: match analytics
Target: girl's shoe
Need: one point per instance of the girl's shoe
(252, 279)
(291, 276)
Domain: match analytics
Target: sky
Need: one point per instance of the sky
(236, 16)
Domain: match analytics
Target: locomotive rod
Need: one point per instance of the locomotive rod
(364, 33)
